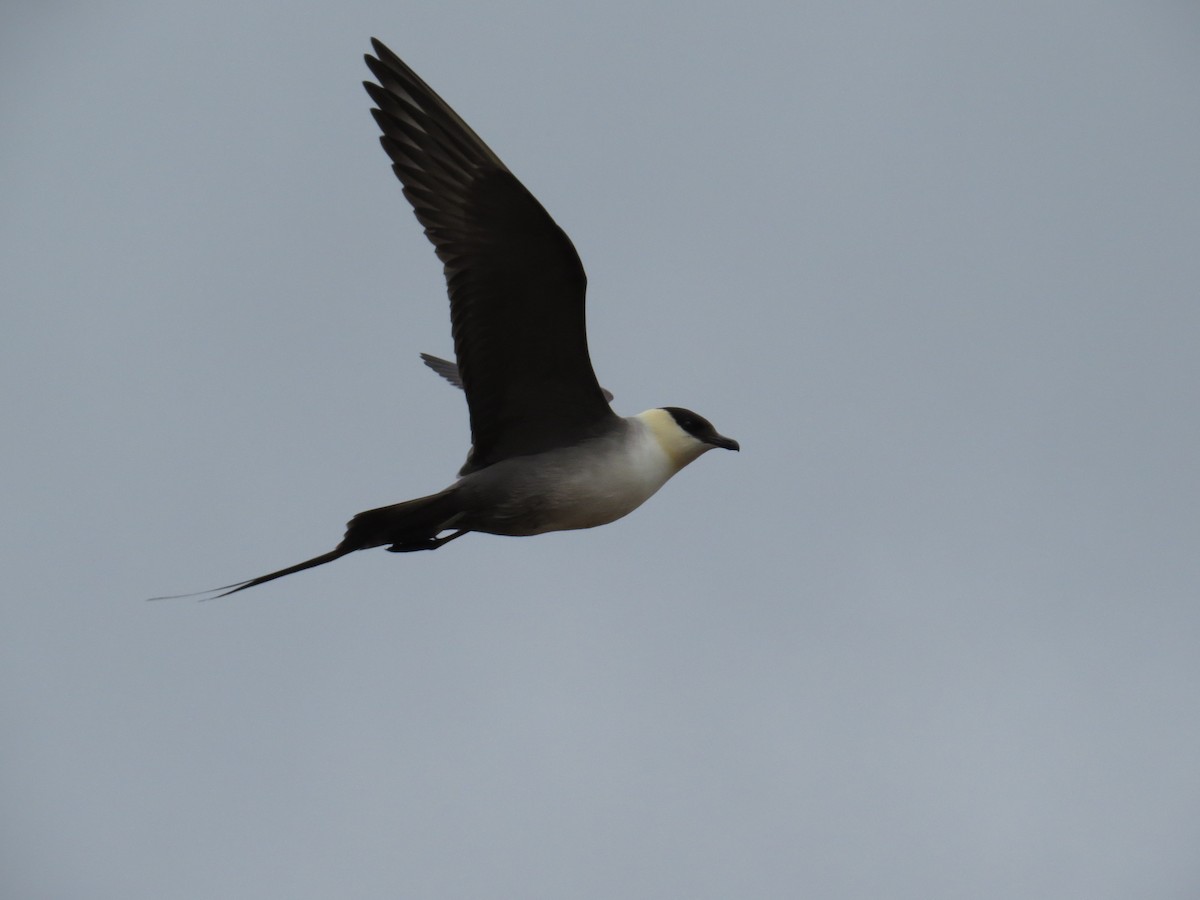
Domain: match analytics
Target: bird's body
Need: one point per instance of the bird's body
(589, 484)
(548, 453)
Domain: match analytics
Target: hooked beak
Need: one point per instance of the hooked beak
(724, 443)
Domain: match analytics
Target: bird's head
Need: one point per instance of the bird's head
(683, 434)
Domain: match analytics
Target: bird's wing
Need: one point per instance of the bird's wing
(443, 367)
(449, 371)
(516, 283)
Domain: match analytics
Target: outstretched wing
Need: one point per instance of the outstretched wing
(449, 371)
(515, 281)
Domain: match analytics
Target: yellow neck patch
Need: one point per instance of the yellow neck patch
(679, 446)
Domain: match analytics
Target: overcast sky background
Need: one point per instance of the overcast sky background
(934, 633)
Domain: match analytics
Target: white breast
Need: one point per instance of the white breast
(577, 487)
(604, 487)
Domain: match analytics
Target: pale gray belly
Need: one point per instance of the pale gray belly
(519, 497)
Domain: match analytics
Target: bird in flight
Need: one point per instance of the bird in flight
(547, 451)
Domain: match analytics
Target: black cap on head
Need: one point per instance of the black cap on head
(700, 428)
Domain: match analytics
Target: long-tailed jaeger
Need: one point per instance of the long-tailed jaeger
(547, 451)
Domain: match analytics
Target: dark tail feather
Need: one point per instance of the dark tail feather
(412, 525)
(340, 551)
(228, 589)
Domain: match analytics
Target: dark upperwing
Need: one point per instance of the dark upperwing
(515, 281)
(449, 371)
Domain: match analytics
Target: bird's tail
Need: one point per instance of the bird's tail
(411, 525)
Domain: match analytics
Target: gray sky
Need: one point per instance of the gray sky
(934, 633)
